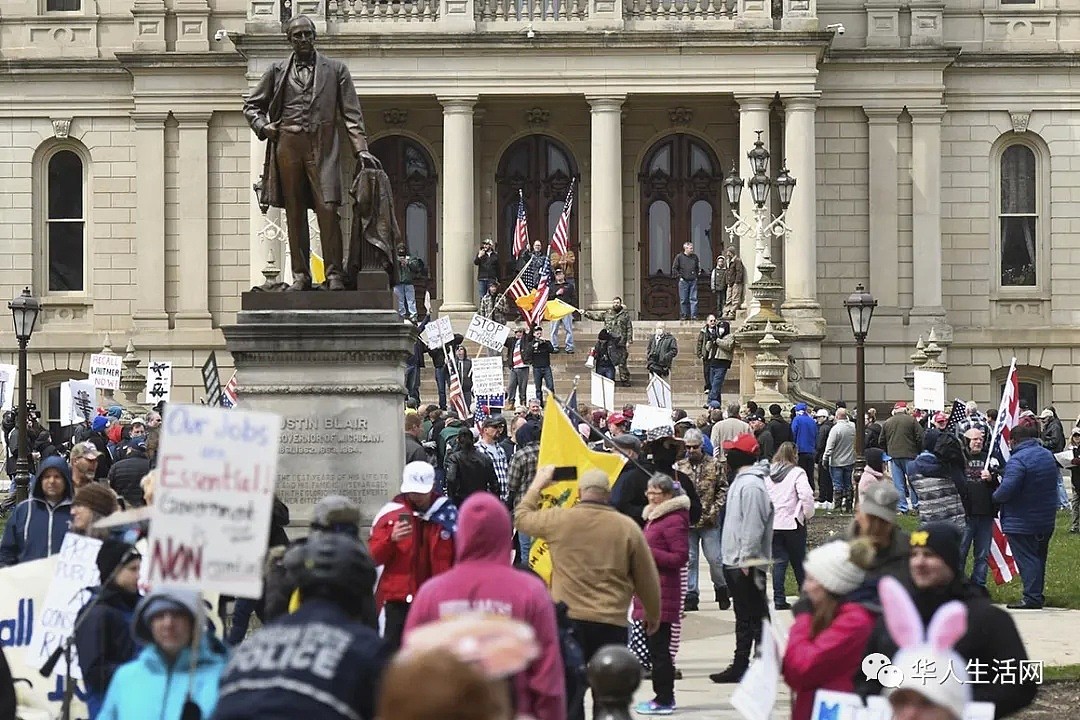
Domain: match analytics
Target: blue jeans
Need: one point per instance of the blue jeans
(482, 285)
(1030, 553)
(541, 377)
(1063, 497)
(709, 539)
(519, 380)
(841, 481)
(607, 371)
(442, 377)
(412, 381)
(899, 476)
(566, 323)
(788, 546)
(980, 531)
(524, 546)
(716, 382)
(688, 298)
(405, 294)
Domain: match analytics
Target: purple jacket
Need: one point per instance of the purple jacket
(667, 531)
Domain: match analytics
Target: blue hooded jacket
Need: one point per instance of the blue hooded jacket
(1028, 491)
(36, 530)
(805, 430)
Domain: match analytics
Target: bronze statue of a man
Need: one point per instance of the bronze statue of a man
(298, 106)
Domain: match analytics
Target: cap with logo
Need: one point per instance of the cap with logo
(745, 442)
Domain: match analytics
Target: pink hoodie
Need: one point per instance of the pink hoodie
(483, 580)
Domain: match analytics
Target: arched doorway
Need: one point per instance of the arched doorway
(414, 182)
(542, 168)
(680, 200)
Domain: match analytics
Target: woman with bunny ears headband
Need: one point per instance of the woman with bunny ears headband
(927, 679)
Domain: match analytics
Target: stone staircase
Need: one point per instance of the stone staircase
(686, 377)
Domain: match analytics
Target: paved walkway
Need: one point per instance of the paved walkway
(708, 642)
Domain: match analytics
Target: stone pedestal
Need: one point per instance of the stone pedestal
(335, 375)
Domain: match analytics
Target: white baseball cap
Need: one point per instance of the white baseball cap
(418, 477)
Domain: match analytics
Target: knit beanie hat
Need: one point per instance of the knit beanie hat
(97, 497)
(880, 500)
(834, 565)
(111, 553)
(943, 538)
(875, 458)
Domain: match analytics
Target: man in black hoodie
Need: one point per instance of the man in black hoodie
(980, 506)
(778, 427)
(991, 641)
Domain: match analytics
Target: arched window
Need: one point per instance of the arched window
(414, 182)
(64, 215)
(680, 185)
(541, 168)
(1018, 217)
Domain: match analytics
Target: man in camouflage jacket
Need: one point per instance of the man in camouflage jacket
(708, 478)
(618, 324)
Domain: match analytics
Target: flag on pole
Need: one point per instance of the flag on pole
(540, 296)
(1001, 559)
(957, 415)
(456, 396)
(229, 397)
(521, 227)
(560, 238)
(486, 406)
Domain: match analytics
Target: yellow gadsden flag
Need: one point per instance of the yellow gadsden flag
(561, 445)
(318, 270)
(554, 309)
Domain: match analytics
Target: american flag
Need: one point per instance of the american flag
(228, 396)
(560, 238)
(521, 227)
(457, 397)
(485, 404)
(543, 290)
(1001, 559)
(957, 415)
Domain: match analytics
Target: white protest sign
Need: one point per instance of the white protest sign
(658, 392)
(602, 392)
(23, 590)
(9, 377)
(487, 376)
(76, 570)
(158, 382)
(213, 499)
(929, 390)
(755, 697)
(438, 333)
(487, 332)
(77, 400)
(833, 705)
(105, 371)
(647, 417)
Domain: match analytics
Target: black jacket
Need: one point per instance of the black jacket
(780, 430)
(686, 267)
(1053, 435)
(125, 476)
(342, 666)
(628, 492)
(766, 443)
(467, 472)
(991, 637)
(565, 291)
(980, 494)
(487, 266)
(7, 689)
(104, 641)
(822, 438)
(537, 352)
(873, 436)
(414, 451)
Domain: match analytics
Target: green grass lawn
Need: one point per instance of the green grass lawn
(1062, 567)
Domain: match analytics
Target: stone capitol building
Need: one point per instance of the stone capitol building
(932, 143)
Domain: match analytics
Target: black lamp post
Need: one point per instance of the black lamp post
(24, 311)
(860, 306)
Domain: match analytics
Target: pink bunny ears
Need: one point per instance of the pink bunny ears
(905, 625)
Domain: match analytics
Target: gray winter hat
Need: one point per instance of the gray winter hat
(880, 501)
(161, 599)
(335, 510)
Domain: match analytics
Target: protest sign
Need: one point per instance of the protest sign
(929, 390)
(23, 591)
(602, 392)
(487, 332)
(487, 376)
(105, 370)
(658, 392)
(77, 400)
(9, 375)
(438, 333)
(158, 382)
(213, 499)
(647, 417)
(755, 697)
(76, 571)
(212, 381)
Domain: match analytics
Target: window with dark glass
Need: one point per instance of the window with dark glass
(62, 5)
(66, 223)
(1018, 218)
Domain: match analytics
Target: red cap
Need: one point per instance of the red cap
(900, 405)
(746, 443)
(616, 419)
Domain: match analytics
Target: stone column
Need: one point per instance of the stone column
(884, 206)
(192, 25)
(193, 306)
(149, 19)
(926, 210)
(150, 220)
(800, 253)
(753, 116)
(459, 205)
(606, 208)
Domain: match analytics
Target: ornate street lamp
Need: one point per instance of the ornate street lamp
(24, 311)
(785, 186)
(733, 186)
(860, 307)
